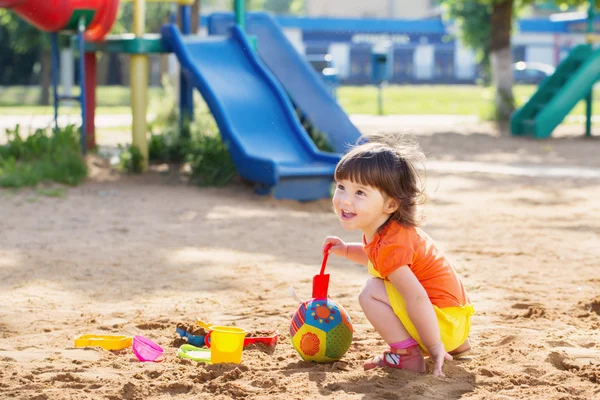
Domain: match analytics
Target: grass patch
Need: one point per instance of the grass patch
(438, 99)
(106, 96)
(51, 192)
(44, 156)
(64, 110)
(397, 99)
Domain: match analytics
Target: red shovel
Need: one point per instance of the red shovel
(321, 281)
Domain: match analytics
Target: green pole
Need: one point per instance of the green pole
(380, 99)
(240, 13)
(589, 97)
(590, 21)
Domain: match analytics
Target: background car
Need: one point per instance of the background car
(531, 72)
(323, 64)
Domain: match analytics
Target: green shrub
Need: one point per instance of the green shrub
(44, 156)
(131, 159)
(318, 137)
(198, 142)
(210, 161)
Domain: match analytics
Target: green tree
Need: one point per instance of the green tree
(471, 21)
(495, 31)
(23, 38)
(157, 14)
(278, 6)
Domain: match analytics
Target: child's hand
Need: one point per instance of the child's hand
(438, 354)
(338, 246)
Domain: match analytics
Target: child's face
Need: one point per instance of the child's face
(362, 207)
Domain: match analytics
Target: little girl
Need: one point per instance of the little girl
(415, 300)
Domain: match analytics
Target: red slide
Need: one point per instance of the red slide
(56, 15)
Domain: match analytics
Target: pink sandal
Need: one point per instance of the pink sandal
(410, 359)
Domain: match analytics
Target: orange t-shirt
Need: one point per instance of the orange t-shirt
(396, 246)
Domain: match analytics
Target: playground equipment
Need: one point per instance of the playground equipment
(98, 16)
(381, 61)
(556, 96)
(90, 19)
(139, 46)
(300, 81)
(256, 118)
(267, 143)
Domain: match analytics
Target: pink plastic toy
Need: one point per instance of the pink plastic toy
(145, 349)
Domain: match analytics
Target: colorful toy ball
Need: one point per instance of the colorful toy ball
(321, 330)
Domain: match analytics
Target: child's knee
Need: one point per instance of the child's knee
(373, 288)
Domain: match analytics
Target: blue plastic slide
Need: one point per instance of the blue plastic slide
(296, 75)
(257, 121)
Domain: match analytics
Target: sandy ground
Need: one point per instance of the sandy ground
(138, 255)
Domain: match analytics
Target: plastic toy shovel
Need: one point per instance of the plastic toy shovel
(321, 281)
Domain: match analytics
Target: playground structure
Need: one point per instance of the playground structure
(90, 19)
(573, 80)
(248, 99)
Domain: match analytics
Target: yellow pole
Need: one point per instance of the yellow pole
(139, 85)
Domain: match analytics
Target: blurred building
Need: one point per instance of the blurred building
(405, 9)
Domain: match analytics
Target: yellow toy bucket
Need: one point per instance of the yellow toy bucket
(226, 344)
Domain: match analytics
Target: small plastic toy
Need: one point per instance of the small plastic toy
(107, 342)
(145, 349)
(321, 329)
(227, 344)
(270, 339)
(194, 353)
(266, 337)
(194, 340)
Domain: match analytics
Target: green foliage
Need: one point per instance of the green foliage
(157, 14)
(278, 6)
(319, 138)
(210, 161)
(472, 19)
(51, 192)
(22, 36)
(130, 159)
(43, 156)
(199, 145)
(20, 47)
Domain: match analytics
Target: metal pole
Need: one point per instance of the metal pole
(240, 13)
(380, 98)
(139, 85)
(81, 44)
(186, 94)
(91, 83)
(589, 98)
(54, 42)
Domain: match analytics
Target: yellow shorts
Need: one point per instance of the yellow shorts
(454, 322)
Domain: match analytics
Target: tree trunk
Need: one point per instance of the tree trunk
(45, 71)
(501, 57)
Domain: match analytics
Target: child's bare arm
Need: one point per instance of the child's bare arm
(357, 254)
(421, 313)
(352, 251)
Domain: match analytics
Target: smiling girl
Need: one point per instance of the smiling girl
(414, 299)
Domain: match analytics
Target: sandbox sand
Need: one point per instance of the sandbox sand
(139, 255)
